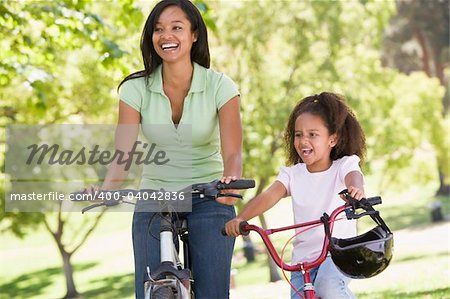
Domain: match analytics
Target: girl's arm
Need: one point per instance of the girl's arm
(257, 206)
(354, 181)
(231, 143)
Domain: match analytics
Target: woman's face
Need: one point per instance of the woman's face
(172, 35)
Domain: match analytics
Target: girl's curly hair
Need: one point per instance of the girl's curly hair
(339, 120)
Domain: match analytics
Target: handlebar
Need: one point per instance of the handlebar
(238, 184)
(211, 189)
(350, 207)
(354, 204)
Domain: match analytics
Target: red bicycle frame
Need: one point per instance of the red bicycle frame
(301, 267)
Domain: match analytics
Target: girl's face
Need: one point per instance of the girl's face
(313, 142)
(172, 35)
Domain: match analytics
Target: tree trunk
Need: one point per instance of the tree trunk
(444, 189)
(249, 249)
(273, 268)
(274, 275)
(68, 273)
(418, 34)
(71, 291)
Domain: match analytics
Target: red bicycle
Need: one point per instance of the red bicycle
(362, 256)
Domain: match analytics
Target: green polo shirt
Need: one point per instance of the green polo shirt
(193, 146)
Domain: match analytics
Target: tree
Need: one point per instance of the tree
(418, 38)
(60, 63)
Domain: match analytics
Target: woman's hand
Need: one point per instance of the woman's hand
(232, 227)
(94, 191)
(228, 200)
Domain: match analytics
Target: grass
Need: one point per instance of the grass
(31, 268)
(415, 274)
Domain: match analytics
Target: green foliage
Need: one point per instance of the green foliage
(61, 62)
(280, 52)
(205, 10)
(418, 39)
(424, 20)
(51, 48)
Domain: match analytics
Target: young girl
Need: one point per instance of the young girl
(325, 144)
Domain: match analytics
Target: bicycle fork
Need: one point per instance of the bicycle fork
(166, 241)
(168, 275)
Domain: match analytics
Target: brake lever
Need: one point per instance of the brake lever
(207, 189)
(95, 205)
(350, 201)
(351, 214)
(350, 211)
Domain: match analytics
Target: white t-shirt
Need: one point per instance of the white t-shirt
(312, 195)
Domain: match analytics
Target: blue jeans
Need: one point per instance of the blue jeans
(211, 252)
(328, 281)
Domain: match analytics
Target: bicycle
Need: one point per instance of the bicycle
(173, 278)
(363, 256)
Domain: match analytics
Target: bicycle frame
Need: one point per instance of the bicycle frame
(300, 267)
(305, 267)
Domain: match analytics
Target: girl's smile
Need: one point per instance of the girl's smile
(313, 142)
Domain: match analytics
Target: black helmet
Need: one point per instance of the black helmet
(365, 255)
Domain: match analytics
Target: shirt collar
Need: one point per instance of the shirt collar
(198, 83)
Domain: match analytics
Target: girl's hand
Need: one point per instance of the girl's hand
(355, 192)
(228, 200)
(232, 227)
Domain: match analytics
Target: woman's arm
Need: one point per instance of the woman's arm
(257, 206)
(354, 181)
(125, 137)
(231, 143)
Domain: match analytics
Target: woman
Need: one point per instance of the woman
(175, 91)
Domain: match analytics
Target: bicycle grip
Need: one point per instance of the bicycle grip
(376, 200)
(238, 184)
(241, 229)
